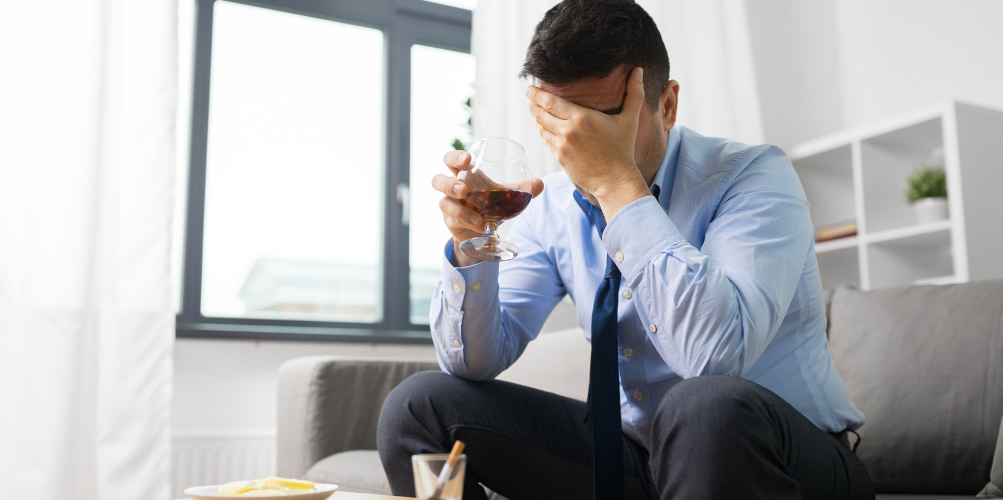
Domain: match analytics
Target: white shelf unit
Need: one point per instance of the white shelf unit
(861, 175)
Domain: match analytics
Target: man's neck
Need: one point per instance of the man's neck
(650, 171)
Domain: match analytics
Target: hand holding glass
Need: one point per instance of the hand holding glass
(499, 188)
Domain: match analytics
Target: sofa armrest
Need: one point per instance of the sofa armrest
(330, 404)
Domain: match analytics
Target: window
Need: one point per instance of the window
(440, 115)
(308, 122)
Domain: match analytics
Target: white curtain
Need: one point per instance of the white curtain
(87, 107)
(709, 51)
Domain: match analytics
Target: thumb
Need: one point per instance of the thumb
(635, 95)
(537, 187)
(531, 185)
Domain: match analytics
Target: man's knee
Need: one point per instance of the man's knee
(408, 401)
(713, 404)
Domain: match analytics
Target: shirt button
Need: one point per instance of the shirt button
(638, 395)
(456, 342)
(629, 352)
(619, 256)
(652, 328)
(456, 287)
(627, 294)
(477, 286)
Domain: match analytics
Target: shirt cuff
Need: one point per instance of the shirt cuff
(637, 233)
(468, 286)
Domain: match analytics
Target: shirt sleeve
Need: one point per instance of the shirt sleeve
(483, 316)
(714, 310)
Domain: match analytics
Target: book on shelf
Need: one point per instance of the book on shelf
(835, 231)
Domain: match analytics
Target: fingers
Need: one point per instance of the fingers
(457, 161)
(546, 123)
(533, 185)
(635, 94)
(450, 186)
(545, 119)
(550, 102)
(547, 135)
(456, 214)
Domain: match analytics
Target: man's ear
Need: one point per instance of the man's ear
(668, 103)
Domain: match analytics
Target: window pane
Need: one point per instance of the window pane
(182, 132)
(442, 81)
(294, 168)
(463, 4)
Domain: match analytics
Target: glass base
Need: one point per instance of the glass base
(489, 249)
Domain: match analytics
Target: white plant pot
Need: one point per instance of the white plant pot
(930, 209)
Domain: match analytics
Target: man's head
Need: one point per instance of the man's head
(584, 50)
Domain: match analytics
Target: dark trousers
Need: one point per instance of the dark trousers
(712, 437)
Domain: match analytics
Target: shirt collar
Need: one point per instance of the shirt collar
(666, 174)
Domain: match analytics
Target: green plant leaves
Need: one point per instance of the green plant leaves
(928, 182)
(457, 143)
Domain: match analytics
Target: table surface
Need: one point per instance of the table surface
(344, 495)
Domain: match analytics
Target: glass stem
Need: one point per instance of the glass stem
(489, 229)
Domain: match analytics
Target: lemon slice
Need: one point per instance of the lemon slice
(239, 487)
(268, 487)
(293, 484)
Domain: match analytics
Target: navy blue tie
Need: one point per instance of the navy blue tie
(604, 380)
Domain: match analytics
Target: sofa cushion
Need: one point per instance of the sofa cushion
(925, 365)
(358, 471)
(995, 487)
(996, 475)
(827, 297)
(922, 497)
(330, 404)
(555, 362)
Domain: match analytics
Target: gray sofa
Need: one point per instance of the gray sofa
(924, 364)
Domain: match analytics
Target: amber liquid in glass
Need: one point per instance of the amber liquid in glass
(497, 205)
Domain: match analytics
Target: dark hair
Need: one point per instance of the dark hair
(580, 39)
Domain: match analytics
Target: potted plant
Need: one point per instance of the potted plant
(928, 194)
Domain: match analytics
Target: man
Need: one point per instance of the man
(692, 264)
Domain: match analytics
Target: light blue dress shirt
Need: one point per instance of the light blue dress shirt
(719, 278)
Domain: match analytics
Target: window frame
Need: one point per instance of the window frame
(404, 23)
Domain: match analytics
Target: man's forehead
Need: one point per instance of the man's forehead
(602, 94)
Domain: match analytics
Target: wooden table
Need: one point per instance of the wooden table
(344, 495)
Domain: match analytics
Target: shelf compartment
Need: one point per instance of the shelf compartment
(909, 258)
(836, 244)
(887, 161)
(909, 231)
(840, 266)
(827, 178)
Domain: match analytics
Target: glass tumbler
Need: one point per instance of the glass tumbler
(426, 475)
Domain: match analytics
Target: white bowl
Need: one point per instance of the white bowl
(321, 491)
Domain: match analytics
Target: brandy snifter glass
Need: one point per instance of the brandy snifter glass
(499, 187)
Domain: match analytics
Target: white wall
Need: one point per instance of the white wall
(225, 387)
(796, 57)
(897, 55)
(228, 387)
(827, 65)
